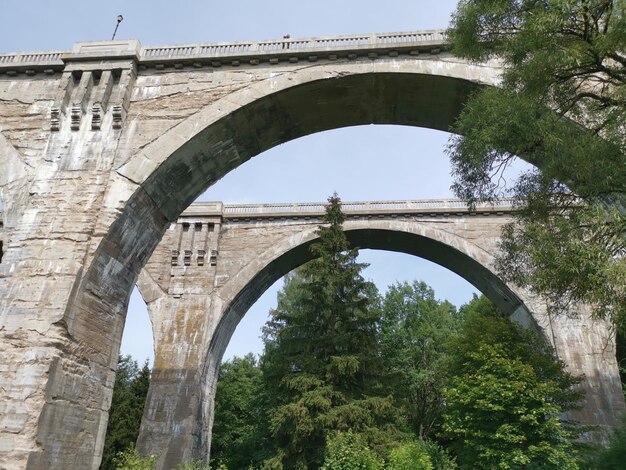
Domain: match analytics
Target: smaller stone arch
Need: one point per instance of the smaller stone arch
(193, 324)
(464, 258)
(231, 299)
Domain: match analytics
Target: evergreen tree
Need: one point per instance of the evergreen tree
(129, 397)
(322, 363)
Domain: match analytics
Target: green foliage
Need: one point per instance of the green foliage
(536, 249)
(562, 107)
(129, 397)
(414, 330)
(322, 367)
(240, 428)
(410, 456)
(200, 465)
(439, 457)
(614, 457)
(129, 459)
(505, 397)
(348, 451)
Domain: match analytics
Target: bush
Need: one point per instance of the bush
(197, 465)
(411, 456)
(129, 459)
(440, 459)
(347, 451)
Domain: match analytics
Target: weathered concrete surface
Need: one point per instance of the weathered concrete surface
(103, 147)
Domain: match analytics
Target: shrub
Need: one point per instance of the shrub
(347, 451)
(410, 456)
(197, 465)
(129, 459)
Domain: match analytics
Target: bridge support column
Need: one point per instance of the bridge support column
(175, 426)
(57, 353)
(587, 346)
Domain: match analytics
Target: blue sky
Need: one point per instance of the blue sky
(361, 163)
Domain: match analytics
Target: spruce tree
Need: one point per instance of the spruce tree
(322, 363)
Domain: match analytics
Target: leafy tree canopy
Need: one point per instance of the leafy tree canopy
(414, 330)
(239, 430)
(562, 107)
(505, 397)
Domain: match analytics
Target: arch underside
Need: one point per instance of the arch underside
(401, 241)
(388, 98)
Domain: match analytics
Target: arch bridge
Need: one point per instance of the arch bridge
(103, 147)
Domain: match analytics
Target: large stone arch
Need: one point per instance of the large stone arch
(423, 93)
(151, 188)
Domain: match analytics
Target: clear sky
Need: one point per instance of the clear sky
(361, 163)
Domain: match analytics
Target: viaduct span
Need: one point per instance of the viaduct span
(103, 147)
(216, 260)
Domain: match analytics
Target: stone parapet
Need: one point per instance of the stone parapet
(231, 53)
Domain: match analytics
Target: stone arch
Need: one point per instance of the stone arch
(424, 93)
(165, 176)
(467, 259)
(464, 258)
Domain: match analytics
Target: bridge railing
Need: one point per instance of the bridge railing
(286, 46)
(289, 46)
(369, 207)
(31, 58)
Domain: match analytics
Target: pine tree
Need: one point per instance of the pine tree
(322, 363)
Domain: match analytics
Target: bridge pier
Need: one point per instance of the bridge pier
(173, 427)
(178, 286)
